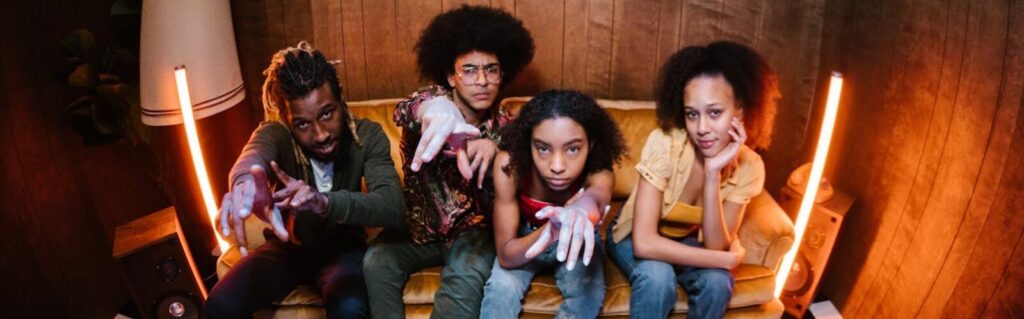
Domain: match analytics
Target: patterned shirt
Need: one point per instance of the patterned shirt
(441, 204)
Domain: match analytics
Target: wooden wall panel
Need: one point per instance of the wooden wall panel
(634, 49)
(62, 200)
(932, 149)
(600, 15)
(544, 19)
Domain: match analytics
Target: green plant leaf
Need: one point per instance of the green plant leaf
(124, 7)
(81, 43)
(84, 76)
(107, 78)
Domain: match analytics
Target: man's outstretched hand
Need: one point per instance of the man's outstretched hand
(250, 195)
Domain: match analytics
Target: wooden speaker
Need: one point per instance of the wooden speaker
(819, 237)
(155, 260)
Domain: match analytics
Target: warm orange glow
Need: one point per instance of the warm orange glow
(817, 167)
(189, 119)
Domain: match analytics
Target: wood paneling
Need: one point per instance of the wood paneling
(930, 142)
(61, 200)
(605, 48)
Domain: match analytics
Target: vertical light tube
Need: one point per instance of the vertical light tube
(192, 134)
(835, 87)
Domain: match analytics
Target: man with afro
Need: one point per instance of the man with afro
(469, 54)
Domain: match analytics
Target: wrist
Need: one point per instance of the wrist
(323, 202)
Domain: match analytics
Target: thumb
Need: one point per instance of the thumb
(259, 175)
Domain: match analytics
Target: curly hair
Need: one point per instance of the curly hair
(517, 136)
(468, 29)
(753, 82)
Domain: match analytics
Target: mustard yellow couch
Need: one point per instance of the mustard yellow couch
(766, 231)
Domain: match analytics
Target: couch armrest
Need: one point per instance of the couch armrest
(766, 233)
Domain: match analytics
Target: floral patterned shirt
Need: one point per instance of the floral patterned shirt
(441, 204)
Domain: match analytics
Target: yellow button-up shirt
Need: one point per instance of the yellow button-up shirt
(666, 161)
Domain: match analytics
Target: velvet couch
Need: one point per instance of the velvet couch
(766, 231)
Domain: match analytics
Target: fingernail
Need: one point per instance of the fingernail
(570, 266)
(245, 252)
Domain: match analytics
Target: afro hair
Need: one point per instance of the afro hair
(607, 144)
(473, 28)
(753, 82)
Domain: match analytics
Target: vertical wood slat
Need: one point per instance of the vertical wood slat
(993, 171)
(938, 109)
(327, 35)
(892, 176)
(382, 73)
(600, 19)
(355, 50)
(634, 50)
(970, 123)
(574, 47)
(413, 17)
(788, 35)
(701, 21)
(934, 225)
(254, 50)
(544, 19)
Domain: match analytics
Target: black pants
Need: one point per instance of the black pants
(274, 269)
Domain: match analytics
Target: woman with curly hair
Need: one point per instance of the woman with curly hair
(548, 153)
(714, 104)
(469, 53)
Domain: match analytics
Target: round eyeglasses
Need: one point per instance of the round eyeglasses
(470, 73)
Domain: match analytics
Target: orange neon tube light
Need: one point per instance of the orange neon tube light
(191, 133)
(828, 123)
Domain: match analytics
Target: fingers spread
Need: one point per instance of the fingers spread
(462, 162)
(281, 175)
(576, 242)
(223, 213)
(485, 164)
(565, 235)
(277, 224)
(239, 227)
(541, 243)
(588, 241)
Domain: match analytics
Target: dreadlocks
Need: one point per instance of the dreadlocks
(293, 73)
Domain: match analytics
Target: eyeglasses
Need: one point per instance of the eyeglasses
(469, 73)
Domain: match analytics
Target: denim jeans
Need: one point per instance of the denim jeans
(582, 288)
(392, 257)
(654, 284)
(274, 269)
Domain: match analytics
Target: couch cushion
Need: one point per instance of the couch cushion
(754, 286)
(381, 111)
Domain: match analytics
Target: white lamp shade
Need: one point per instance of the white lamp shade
(197, 34)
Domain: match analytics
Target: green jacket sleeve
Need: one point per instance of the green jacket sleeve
(260, 150)
(382, 204)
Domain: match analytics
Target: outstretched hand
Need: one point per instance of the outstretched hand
(250, 196)
(441, 120)
(573, 228)
(297, 195)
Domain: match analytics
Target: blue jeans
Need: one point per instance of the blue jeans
(582, 288)
(654, 290)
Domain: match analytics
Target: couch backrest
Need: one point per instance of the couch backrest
(636, 119)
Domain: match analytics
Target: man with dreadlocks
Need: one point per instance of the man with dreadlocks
(469, 53)
(319, 153)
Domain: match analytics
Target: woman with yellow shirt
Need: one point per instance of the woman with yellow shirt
(714, 104)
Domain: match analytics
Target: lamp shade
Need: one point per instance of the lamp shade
(197, 34)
